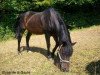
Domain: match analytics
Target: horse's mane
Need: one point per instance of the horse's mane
(64, 34)
(61, 22)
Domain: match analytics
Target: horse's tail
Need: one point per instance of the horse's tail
(16, 24)
(17, 27)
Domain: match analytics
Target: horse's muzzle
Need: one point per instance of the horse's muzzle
(64, 70)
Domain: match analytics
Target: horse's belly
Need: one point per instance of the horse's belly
(35, 29)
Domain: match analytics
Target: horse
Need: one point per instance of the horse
(49, 23)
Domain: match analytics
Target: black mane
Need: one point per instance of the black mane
(64, 35)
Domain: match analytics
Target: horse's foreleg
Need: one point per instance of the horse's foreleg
(27, 40)
(47, 36)
(54, 49)
(57, 44)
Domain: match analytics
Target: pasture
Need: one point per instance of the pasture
(84, 61)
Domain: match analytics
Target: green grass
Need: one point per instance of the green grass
(84, 61)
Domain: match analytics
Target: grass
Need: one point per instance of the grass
(84, 61)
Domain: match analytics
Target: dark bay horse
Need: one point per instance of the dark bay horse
(50, 23)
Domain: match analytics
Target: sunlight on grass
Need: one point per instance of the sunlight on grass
(86, 51)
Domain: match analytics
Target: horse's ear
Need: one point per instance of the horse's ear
(74, 43)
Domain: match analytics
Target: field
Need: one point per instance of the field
(84, 61)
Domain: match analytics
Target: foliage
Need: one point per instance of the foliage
(23, 5)
(6, 26)
(81, 20)
(72, 11)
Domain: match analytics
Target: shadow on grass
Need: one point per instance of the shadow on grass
(43, 52)
(93, 68)
(36, 49)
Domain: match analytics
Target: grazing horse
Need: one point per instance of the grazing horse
(50, 23)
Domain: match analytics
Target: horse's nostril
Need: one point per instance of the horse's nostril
(64, 70)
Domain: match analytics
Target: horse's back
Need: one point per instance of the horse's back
(22, 18)
(28, 15)
(42, 22)
(34, 24)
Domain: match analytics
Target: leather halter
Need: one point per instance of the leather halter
(61, 60)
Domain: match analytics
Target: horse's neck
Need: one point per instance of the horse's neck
(62, 34)
(65, 35)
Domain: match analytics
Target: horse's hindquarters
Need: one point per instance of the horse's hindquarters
(34, 25)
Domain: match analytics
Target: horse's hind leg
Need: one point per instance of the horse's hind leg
(27, 40)
(19, 40)
(47, 36)
(19, 37)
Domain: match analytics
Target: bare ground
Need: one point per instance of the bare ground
(86, 51)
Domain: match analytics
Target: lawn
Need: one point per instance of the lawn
(84, 61)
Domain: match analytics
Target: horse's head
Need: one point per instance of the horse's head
(64, 54)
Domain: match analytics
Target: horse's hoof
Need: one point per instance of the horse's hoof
(27, 48)
(52, 55)
(49, 57)
(19, 53)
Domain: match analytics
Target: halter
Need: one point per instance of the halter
(61, 60)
